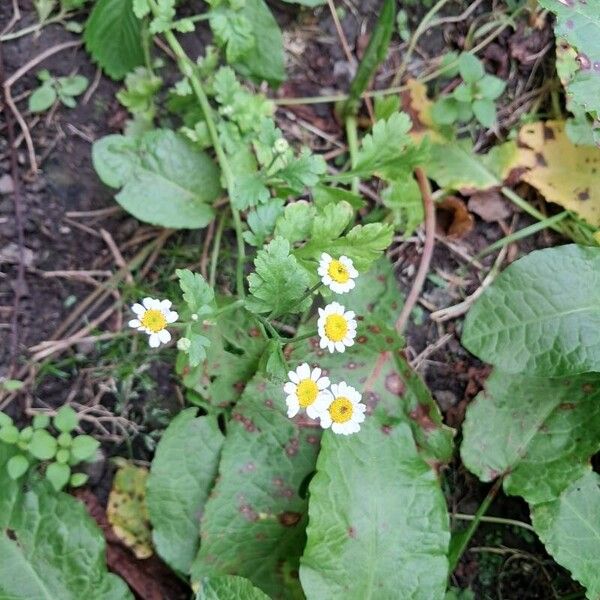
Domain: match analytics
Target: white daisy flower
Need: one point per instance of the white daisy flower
(153, 316)
(337, 327)
(338, 274)
(345, 412)
(308, 390)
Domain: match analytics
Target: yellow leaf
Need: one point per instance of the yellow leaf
(126, 510)
(562, 172)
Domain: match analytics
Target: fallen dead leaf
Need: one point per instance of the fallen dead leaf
(562, 172)
(490, 206)
(453, 217)
(126, 510)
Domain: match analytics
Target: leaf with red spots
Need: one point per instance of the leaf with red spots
(376, 367)
(378, 521)
(254, 522)
(538, 432)
(578, 62)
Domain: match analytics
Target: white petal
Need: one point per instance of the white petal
(350, 315)
(164, 336)
(171, 316)
(135, 323)
(323, 342)
(148, 302)
(338, 428)
(339, 346)
(303, 371)
(293, 377)
(165, 305)
(358, 417)
(313, 412)
(138, 309)
(326, 257)
(315, 374)
(325, 419)
(331, 346)
(323, 383)
(335, 389)
(289, 388)
(154, 340)
(321, 312)
(293, 406)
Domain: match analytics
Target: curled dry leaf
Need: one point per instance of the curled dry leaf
(453, 218)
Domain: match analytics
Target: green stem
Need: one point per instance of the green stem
(274, 333)
(496, 520)
(522, 233)
(465, 536)
(187, 67)
(299, 338)
(225, 309)
(215, 252)
(352, 136)
(526, 207)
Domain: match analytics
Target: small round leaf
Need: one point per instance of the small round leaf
(58, 475)
(65, 440)
(9, 434)
(17, 466)
(66, 419)
(78, 479)
(41, 421)
(42, 98)
(42, 445)
(84, 447)
(62, 456)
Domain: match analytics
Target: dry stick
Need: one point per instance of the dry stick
(419, 281)
(16, 16)
(118, 257)
(18, 207)
(204, 258)
(13, 107)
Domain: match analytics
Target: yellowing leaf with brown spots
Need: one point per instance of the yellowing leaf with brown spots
(126, 510)
(563, 173)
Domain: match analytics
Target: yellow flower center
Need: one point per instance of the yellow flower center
(338, 271)
(154, 320)
(307, 392)
(341, 410)
(336, 327)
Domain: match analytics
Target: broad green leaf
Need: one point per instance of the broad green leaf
(73, 85)
(228, 587)
(113, 37)
(456, 166)
(181, 477)
(485, 112)
(537, 433)
(374, 55)
(54, 549)
(375, 502)
(253, 522)
(265, 59)
(570, 529)
(541, 315)
(279, 284)
(165, 180)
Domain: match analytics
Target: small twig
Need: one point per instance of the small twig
(119, 260)
(452, 312)
(18, 208)
(204, 258)
(16, 16)
(429, 209)
(341, 34)
(90, 91)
